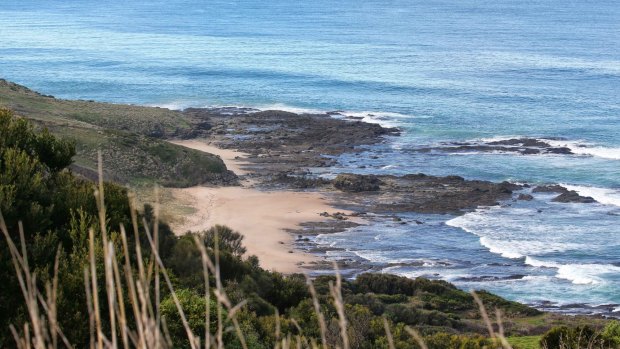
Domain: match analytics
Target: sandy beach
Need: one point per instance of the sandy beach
(233, 159)
(262, 217)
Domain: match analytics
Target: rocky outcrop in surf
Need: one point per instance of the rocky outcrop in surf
(565, 196)
(523, 146)
(421, 193)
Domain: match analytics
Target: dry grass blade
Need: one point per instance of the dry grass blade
(49, 306)
(336, 292)
(206, 265)
(233, 311)
(296, 324)
(483, 313)
(122, 315)
(89, 305)
(500, 334)
(156, 249)
(31, 294)
(317, 310)
(175, 298)
(164, 326)
(239, 333)
(388, 333)
(218, 286)
(278, 328)
(94, 288)
(45, 326)
(417, 337)
(111, 290)
(133, 298)
(19, 343)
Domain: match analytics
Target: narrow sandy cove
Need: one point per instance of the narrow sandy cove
(261, 217)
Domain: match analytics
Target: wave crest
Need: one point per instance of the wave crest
(605, 196)
(578, 274)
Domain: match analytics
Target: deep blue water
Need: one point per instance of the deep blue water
(443, 71)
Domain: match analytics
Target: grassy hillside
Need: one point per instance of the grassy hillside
(133, 136)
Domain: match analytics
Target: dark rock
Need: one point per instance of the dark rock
(560, 150)
(525, 142)
(549, 189)
(356, 183)
(573, 196)
(525, 197)
(524, 146)
(530, 151)
(485, 278)
(430, 194)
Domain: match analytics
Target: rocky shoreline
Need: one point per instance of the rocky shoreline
(285, 147)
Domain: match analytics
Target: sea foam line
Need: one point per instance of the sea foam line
(576, 147)
(578, 274)
(583, 148)
(383, 118)
(606, 196)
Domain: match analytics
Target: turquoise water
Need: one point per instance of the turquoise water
(443, 71)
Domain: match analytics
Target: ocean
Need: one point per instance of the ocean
(445, 72)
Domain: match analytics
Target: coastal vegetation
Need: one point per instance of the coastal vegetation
(82, 266)
(133, 136)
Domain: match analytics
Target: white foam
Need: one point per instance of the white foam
(383, 118)
(577, 147)
(578, 274)
(605, 196)
(373, 256)
(583, 148)
(288, 108)
(584, 274)
(501, 248)
(538, 263)
(175, 105)
(499, 138)
(536, 278)
(506, 230)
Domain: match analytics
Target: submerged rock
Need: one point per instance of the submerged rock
(525, 197)
(549, 189)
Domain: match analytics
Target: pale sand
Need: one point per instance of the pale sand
(230, 157)
(261, 217)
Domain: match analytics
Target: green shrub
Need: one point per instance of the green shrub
(611, 334)
(564, 337)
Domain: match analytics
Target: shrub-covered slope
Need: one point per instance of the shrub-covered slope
(131, 138)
